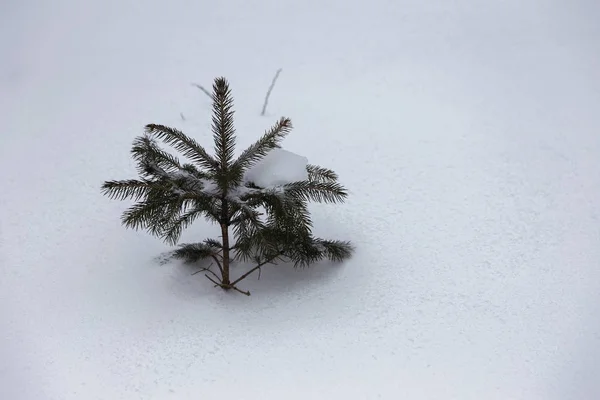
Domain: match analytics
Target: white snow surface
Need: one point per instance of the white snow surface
(277, 168)
(467, 133)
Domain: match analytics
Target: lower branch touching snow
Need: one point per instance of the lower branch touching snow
(226, 287)
(232, 285)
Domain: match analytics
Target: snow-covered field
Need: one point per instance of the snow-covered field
(466, 131)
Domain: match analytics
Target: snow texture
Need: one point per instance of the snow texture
(467, 133)
(277, 168)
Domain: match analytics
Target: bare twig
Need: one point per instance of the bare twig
(182, 116)
(207, 269)
(264, 109)
(215, 275)
(247, 293)
(218, 263)
(255, 268)
(226, 287)
(217, 284)
(232, 284)
(206, 92)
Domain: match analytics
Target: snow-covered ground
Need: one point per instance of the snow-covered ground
(467, 132)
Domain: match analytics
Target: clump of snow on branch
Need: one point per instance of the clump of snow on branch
(279, 167)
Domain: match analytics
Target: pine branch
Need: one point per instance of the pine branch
(311, 250)
(192, 170)
(287, 220)
(146, 152)
(166, 207)
(156, 214)
(269, 241)
(288, 214)
(285, 214)
(246, 226)
(269, 141)
(264, 109)
(143, 216)
(173, 232)
(213, 243)
(321, 192)
(245, 217)
(320, 174)
(184, 144)
(130, 188)
(185, 182)
(193, 252)
(198, 251)
(334, 250)
(222, 125)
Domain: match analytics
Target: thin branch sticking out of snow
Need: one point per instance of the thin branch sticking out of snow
(206, 92)
(264, 109)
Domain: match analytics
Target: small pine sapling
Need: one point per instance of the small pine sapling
(258, 224)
